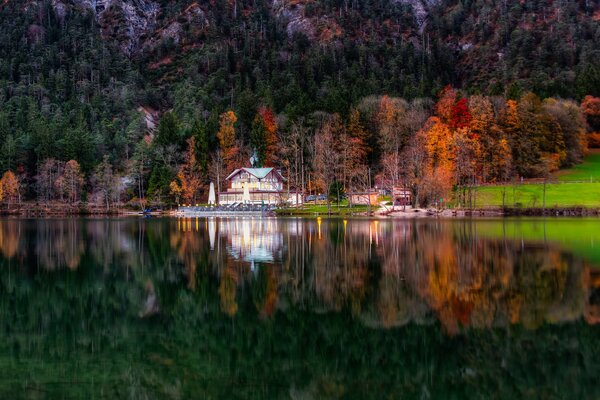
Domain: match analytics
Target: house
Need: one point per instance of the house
(254, 186)
(401, 196)
(364, 198)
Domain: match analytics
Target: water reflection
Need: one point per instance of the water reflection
(301, 309)
(384, 273)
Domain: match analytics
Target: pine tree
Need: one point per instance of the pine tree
(168, 130)
(201, 143)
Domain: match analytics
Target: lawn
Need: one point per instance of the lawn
(584, 193)
(531, 195)
(589, 170)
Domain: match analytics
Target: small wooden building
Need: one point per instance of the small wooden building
(363, 198)
(401, 196)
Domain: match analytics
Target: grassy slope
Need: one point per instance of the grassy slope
(557, 194)
(589, 170)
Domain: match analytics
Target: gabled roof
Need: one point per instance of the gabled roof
(259, 173)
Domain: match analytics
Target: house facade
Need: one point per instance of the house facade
(254, 186)
(363, 198)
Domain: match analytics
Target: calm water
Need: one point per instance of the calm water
(299, 309)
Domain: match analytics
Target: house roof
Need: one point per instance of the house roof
(259, 173)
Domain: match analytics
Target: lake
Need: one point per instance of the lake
(276, 308)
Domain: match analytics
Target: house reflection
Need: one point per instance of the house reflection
(253, 240)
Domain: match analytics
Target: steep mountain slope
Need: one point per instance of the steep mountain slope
(74, 74)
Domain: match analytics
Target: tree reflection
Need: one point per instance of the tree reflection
(385, 273)
(272, 308)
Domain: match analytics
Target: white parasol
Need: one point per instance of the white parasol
(212, 200)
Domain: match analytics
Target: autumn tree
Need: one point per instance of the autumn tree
(439, 171)
(466, 155)
(591, 109)
(227, 142)
(189, 177)
(354, 153)
(217, 170)
(444, 108)
(263, 137)
(484, 129)
(326, 161)
(71, 181)
(571, 127)
(391, 117)
(461, 116)
(295, 143)
(103, 181)
(45, 180)
(9, 188)
(175, 190)
(413, 163)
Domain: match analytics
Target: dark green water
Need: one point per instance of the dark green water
(299, 309)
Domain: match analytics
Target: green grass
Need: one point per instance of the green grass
(563, 194)
(589, 170)
(557, 195)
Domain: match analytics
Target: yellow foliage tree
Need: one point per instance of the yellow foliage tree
(226, 136)
(10, 187)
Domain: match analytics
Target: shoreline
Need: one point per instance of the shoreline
(56, 210)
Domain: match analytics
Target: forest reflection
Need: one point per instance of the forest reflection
(383, 273)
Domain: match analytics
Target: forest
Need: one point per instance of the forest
(380, 100)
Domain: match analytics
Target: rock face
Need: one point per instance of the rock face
(420, 10)
(291, 14)
(133, 24)
(126, 21)
(137, 26)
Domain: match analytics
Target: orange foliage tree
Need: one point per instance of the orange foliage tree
(226, 136)
(445, 104)
(189, 176)
(263, 137)
(590, 106)
(9, 188)
(354, 153)
(439, 171)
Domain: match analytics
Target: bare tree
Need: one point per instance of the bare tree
(104, 181)
(327, 155)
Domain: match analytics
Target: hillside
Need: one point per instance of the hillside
(83, 78)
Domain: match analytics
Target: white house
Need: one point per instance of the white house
(254, 186)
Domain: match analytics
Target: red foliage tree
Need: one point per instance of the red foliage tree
(461, 116)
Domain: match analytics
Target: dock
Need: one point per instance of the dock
(233, 210)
